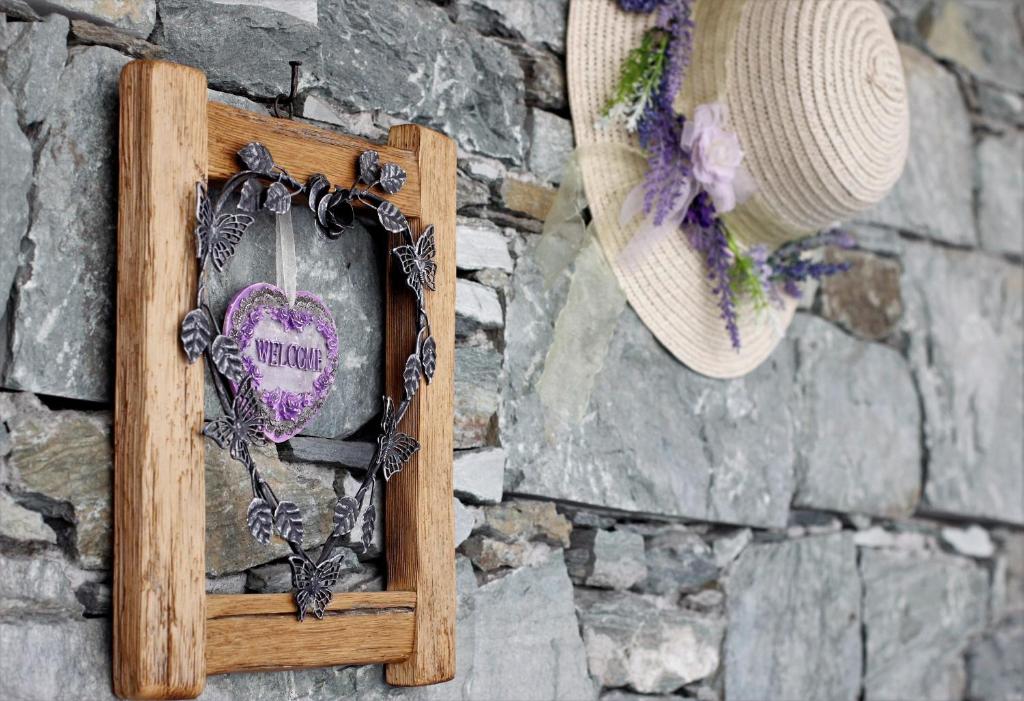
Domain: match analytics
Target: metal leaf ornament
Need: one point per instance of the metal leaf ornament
(228, 358)
(369, 521)
(345, 512)
(392, 178)
(288, 521)
(256, 157)
(313, 583)
(393, 447)
(278, 199)
(266, 186)
(218, 237)
(260, 520)
(241, 425)
(428, 358)
(418, 261)
(249, 197)
(196, 331)
(411, 375)
(391, 218)
(369, 167)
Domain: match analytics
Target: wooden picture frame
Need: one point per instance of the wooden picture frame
(168, 633)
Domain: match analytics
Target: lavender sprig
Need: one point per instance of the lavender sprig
(668, 165)
(664, 56)
(643, 6)
(713, 243)
(791, 269)
(674, 18)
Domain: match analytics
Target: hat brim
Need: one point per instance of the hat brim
(669, 287)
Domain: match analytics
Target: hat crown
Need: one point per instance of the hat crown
(816, 93)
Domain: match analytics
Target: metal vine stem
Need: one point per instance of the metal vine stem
(219, 229)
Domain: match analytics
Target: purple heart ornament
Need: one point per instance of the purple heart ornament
(289, 350)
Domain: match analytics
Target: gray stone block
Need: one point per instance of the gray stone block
(965, 320)
(465, 520)
(32, 63)
(859, 424)
(480, 245)
(633, 641)
(19, 523)
(38, 586)
(134, 16)
(243, 48)
(353, 454)
(62, 461)
(592, 405)
(440, 74)
(476, 307)
(606, 559)
(15, 183)
(996, 663)
(63, 659)
(229, 547)
(678, 561)
(794, 621)
(529, 612)
(980, 35)
(538, 22)
(551, 144)
(62, 339)
(517, 637)
(477, 369)
(1001, 193)
(866, 299)
(479, 475)
(919, 612)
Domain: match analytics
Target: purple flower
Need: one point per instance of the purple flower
(293, 319)
(290, 406)
(715, 155)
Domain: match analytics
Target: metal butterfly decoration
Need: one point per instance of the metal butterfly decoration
(265, 185)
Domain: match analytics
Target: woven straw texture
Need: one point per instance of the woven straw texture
(815, 93)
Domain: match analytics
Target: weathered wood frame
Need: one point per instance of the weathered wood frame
(168, 633)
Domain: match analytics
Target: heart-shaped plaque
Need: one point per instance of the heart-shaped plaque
(289, 350)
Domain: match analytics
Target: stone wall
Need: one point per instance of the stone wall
(847, 522)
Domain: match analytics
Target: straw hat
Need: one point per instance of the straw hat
(816, 95)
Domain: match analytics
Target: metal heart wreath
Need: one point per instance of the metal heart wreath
(245, 371)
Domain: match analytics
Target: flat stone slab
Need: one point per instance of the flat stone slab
(435, 72)
(859, 424)
(920, 610)
(633, 641)
(965, 323)
(597, 412)
(62, 461)
(63, 344)
(794, 621)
